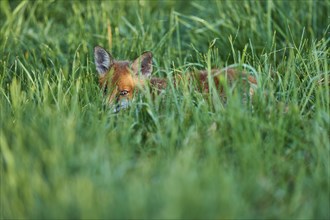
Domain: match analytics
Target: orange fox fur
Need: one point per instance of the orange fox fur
(124, 78)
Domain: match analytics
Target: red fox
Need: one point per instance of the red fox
(121, 79)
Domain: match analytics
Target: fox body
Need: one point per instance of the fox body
(121, 79)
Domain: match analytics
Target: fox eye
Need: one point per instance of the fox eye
(123, 92)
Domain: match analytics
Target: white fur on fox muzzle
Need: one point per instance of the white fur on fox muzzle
(123, 104)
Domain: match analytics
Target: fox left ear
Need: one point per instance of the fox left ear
(103, 60)
(144, 64)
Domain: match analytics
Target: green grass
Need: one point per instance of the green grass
(184, 154)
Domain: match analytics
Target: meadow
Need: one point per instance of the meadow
(65, 155)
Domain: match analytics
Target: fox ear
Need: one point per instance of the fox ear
(103, 60)
(143, 63)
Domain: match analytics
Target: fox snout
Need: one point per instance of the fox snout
(120, 79)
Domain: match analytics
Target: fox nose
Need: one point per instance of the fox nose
(121, 105)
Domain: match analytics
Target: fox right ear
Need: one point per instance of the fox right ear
(143, 64)
(103, 60)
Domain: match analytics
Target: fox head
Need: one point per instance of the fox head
(120, 79)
